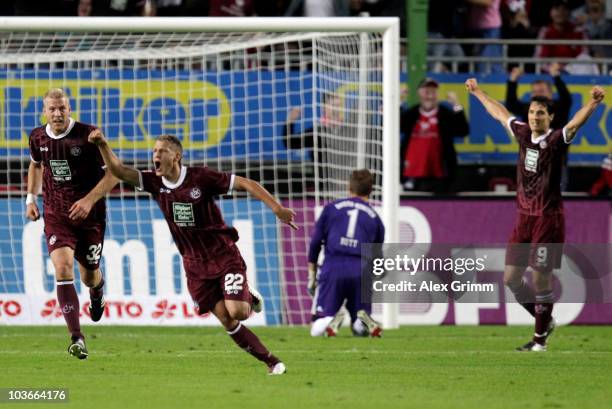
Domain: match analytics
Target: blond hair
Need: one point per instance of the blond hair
(56, 93)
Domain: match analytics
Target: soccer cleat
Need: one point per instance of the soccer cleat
(278, 369)
(78, 348)
(334, 325)
(256, 300)
(374, 327)
(532, 346)
(96, 308)
(542, 339)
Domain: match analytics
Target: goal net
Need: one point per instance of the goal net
(295, 108)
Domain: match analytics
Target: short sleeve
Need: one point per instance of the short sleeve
(146, 182)
(34, 151)
(216, 183)
(97, 156)
(518, 128)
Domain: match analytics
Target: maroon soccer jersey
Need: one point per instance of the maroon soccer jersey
(71, 168)
(195, 221)
(538, 170)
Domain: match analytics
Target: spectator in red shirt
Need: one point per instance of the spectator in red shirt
(428, 160)
(603, 184)
(561, 28)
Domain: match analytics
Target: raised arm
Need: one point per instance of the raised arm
(512, 102)
(583, 114)
(114, 165)
(493, 107)
(259, 192)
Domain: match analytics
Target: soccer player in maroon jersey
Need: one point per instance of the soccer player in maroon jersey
(539, 233)
(73, 182)
(216, 273)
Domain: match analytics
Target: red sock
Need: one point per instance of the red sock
(95, 293)
(248, 341)
(69, 304)
(543, 315)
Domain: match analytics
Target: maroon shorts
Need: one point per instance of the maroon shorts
(537, 241)
(207, 292)
(85, 238)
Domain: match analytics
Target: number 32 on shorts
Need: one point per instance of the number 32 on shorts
(233, 283)
(94, 253)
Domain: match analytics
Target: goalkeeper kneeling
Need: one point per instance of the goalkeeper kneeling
(341, 229)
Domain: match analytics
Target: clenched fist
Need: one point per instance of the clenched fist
(471, 84)
(96, 137)
(597, 94)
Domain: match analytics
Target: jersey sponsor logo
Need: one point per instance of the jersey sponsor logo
(44, 149)
(164, 190)
(75, 151)
(60, 170)
(531, 160)
(195, 193)
(233, 283)
(183, 214)
(52, 240)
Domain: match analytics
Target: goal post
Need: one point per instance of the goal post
(226, 87)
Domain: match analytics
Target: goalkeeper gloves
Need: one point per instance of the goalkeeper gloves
(312, 282)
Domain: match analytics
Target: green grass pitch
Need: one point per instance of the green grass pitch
(414, 367)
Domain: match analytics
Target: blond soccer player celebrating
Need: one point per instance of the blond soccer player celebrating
(216, 272)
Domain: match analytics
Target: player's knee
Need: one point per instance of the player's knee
(64, 270)
(239, 312)
(513, 276)
(512, 282)
(89, 279)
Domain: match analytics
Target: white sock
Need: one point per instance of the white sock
(318, 327)
(359, 327)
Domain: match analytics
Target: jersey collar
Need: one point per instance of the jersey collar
(60, 136)
(537, 139)
(180, 180)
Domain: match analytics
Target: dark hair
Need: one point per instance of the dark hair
(540, 81)
(172, 140)
(361, 182)
(547, 102)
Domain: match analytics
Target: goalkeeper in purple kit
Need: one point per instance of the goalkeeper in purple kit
(341, 229)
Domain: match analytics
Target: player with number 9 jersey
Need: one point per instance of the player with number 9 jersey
(539, 233)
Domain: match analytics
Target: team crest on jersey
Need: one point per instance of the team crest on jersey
(543, 145)
(52, 240)
(75, 151)
(195, 193)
